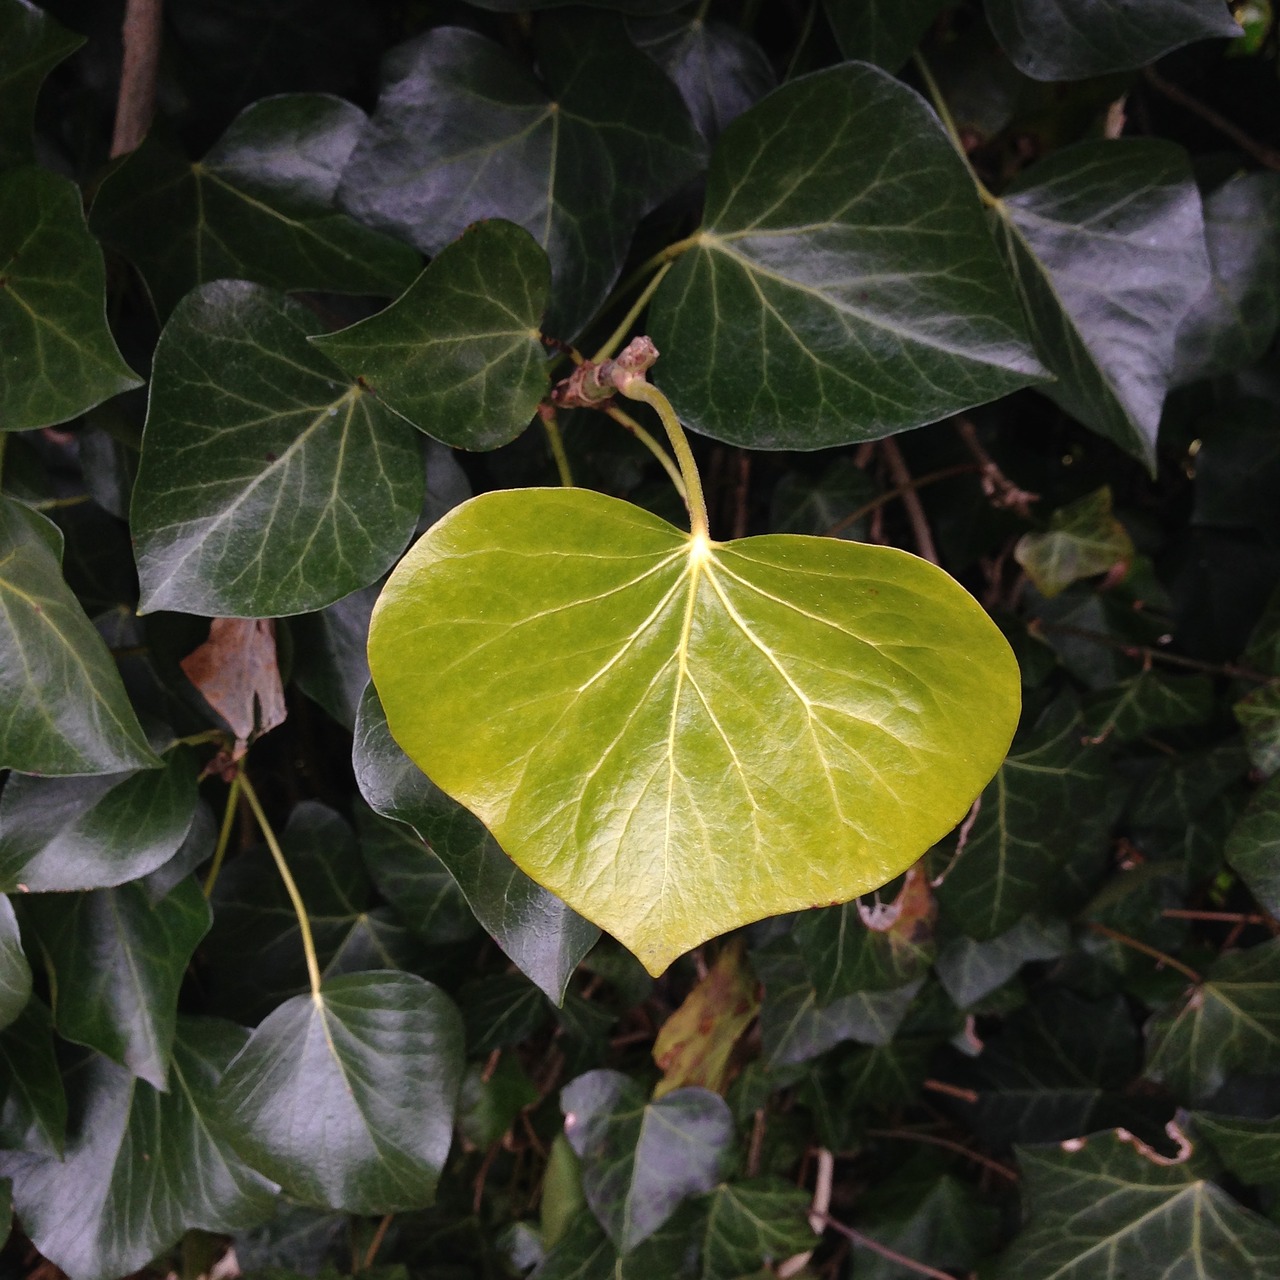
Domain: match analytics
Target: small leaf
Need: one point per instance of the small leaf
(1105, 241)
(543, 937)
(15, 972)
(459, 354)
(32, 43)
(635, 778)
(1228, 1023)
(347, 1097)
(1103, 1211)
(970, 970)
(1074, 39)
(1084, 539)
(259, 206)
(1151, 700)
(58, 834)
(810, 310)
(66, 709)
(59, 357)
(695, 1044)
(297, 486)
(641, 1160)
(116, 962)
(1253, 847)
(752, 1225)
(141, 1167)
(1249, 1148)
(235, 672)
(880, 31)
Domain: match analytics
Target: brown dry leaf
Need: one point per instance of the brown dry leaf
(236, 673)
(696, 1043)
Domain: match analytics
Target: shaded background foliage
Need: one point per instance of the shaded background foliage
(1052, 1048)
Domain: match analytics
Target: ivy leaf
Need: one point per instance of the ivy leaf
(1075, 39)
(460, 354)
(295, 486)
(585, 1252)
(809, 310)
(880, 31)
(58, 834)
(1083, 539)
(1103, 1211)
(32, 43)
(259, 206)
(1258, 714)
(347, 1097)
(59, 357)
(970, 970)
(1232, 323)
(1149, 701)
(116, 962)
(634, 646)
(641, 1159)
(15, 972)
(1253, 847)
(542, 936)
(752, 1225)
(329, 662)
(33, 1104)
(1249, 1148)
(500, 1010)
(1105, 241)
(1229, 1022)
(463, 131)
(141, 1167)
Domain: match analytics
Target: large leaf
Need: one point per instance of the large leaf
(463, 131)
(1253, 847)
(880, 31)
(1105, 241)
(585, 1252)
(1106, 1212)
(58, 834)
(460, 355)
(66, 711)
(116, 962)
(1072, 39)
(15, 972)
(1228, 1023)
(141, 1167)
(57, 356)
(33, 1104)
(269, 482)
(678, 736)
(544, 938)
(843, 285)
(32, 43)
(752, 1225)
(347, 1097)
(641, 1159)
(259, 206)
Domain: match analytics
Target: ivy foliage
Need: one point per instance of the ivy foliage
(420, 856)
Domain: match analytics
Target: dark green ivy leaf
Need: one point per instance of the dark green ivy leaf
(57, 356)
(463, 131)
(641, 1159)
(15, 972)
(259, 206)
(585, 1252)
(347, 1097)
(545, 938)
(754, 1224)
(1253, 847)
(141, 1167)
(32, 43)
(459, 355)
(880, 31)
(1149, 701)
(1249, 1148)
(1105, 241)
(329, 661)
(269, 482)
(116, 962)
(970, 970)
(33, 1104)
(1074, 39)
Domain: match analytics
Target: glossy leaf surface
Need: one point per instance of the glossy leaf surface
(347, 1098)
(57, 356)
(641, 1159)
(141, 1167)
(1253, 847)
(545, 938)
(633, 647)
(259, 206)
(66, 711)
(15, 972)
(33, 1104)
(32, 43)
(752, 1225)
(293, 485)
(809, 311)
(463, 131)
(459, 354)
(1105, 241)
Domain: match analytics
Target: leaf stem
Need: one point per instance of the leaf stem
(555, 442)
(949, 124)
(623, 418)
(376, 1243)
(611, 343)
(934, 1140)
(224, 835)
(290, 885)
(866, 1242)
(910, 499)
(663, 256)
(1147, 950)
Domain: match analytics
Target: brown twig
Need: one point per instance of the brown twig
(997, 486)
(1226, 917)
(901, 1259)
(951, 1090)
(933, 1140)
(376, 1243)
(1136, 944)
(1264, 155)
(758, 1125)
(883, 499)
(139, 67)
(910, 499)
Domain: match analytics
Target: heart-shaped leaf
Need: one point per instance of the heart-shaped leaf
(460, 354)
(15, 972)
(59, 357)
(32, 43)
(347, 1097)
(812, 308)
(66, 711)
(295, 485)
(1253, 847)
(678, 736)
(1083, 540)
